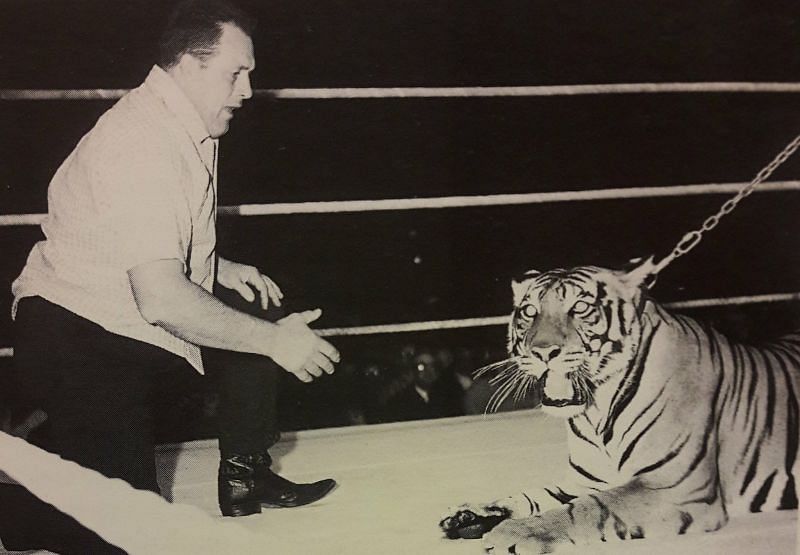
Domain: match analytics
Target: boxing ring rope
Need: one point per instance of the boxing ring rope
(433, 325)
(344, 206)
(441, 92)
(503, 320)
(328, 207)
(479, 200)
(139, 521)
(495, 200)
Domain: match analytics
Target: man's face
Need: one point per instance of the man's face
(222, 82)
(427, 371)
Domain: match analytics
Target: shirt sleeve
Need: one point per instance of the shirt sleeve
(137, 189)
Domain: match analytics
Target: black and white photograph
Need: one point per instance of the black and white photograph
(441, 277)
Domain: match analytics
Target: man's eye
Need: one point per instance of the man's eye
(582, 308)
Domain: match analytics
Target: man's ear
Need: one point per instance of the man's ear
(520, 284)
(640, 273)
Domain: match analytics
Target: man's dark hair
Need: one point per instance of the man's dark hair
(195, 27)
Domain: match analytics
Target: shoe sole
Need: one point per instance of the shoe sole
(241, 509)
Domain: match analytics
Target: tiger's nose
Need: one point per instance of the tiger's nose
(546, 354)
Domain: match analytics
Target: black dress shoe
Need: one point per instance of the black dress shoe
(246, 483)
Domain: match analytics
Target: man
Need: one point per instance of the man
(122, 287)
(425, 387)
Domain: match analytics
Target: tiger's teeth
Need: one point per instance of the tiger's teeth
(595, 344)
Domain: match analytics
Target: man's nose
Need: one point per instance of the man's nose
(245, 91)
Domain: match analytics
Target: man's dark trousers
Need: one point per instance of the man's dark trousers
(247, 386)
(97, 389)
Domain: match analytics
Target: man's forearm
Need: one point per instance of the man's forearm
(167, 299)
(196, 316)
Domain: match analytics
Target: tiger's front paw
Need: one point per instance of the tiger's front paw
(525, 536)
(472, 521)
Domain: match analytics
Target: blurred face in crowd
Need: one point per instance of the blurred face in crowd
(219, 84)
(426, 369)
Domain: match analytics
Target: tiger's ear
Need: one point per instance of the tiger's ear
(640, 273)
(519, 285)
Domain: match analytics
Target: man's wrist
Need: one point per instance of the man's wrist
(222, 263)
(266, 337)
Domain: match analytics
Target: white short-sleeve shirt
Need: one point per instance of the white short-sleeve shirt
(139, 187)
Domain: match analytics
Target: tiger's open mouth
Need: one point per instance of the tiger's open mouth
(578, 394)
(578, 399)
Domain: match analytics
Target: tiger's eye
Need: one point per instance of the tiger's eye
(581, 308)
(529, 311)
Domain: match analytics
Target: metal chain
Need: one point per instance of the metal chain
(691, 239)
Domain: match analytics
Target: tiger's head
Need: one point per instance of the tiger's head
(570, 332)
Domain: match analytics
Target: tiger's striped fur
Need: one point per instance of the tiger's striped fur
(672, 428)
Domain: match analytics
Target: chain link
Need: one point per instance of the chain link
(693, 238)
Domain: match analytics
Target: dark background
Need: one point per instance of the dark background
(388, 267)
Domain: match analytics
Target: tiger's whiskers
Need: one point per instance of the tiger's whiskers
(510, 380)
(500, 367)
(582, 380)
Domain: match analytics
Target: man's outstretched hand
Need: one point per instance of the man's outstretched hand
(301, 351)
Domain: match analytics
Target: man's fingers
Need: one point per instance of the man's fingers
(304, 376)
(246, 293)
(313, 369)
(324, 363)
(329, 351)
(263, 293)
(273, 291)
(309, 316)
(317, 365)
(300, 350)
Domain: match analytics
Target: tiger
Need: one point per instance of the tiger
(672, 428)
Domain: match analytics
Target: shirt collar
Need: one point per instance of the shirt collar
(162, 84)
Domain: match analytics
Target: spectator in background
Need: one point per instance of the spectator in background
(424, 387)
